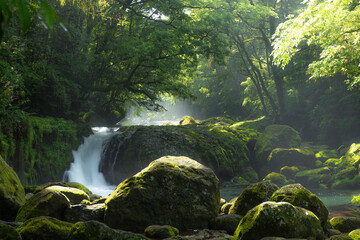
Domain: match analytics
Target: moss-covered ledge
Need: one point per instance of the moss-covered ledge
(39, 149)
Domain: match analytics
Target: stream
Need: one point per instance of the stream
(85, 170)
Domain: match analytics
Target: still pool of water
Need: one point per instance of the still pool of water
(329, 197)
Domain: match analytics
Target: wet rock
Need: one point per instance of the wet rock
(274, 136)
(161, 231)
(12, 194)
(275, 178)
(44, 228)
(280, 157)
(252, 195)
(279, 219)
(187, 120)
(81, 212)
(226, 207)
(355, 234)
(36, 189)
(289, 172)
(73, 194)
(345, 224)
(98, 231)
(229, 223)
(299, 196)
(44, 203)
(175, 191)
(8, 232)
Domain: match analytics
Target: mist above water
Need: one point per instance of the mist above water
(172, 115)
(85, 168)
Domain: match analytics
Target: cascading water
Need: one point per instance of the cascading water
(85, 168)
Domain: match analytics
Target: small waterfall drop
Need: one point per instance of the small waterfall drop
(85, 168)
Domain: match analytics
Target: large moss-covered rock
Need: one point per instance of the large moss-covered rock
(174, 191)
(279, 219)
(74, 195)
(93, 230)
(299, 196)
(44, 228)
(252, 195)
(274, 136)
(258, 124)
(345, 224)
(82, 212)
(280, 157)
(187, 120)
(314, 177)
(355, 234)
(289, 172)
(44, 203)
(12, 194)
(8, 232)
(222, 149)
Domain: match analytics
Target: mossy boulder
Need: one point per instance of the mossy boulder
(36, 189)
(81, 212)
(219, 121)
(355, 234)
(278, 219)
(280, 157)
(289, 172)
(44, 228)
(228, 223)
(252, 195)
(8, 232)
(346, 183)
(299, 196)
(187, 120)
(93, 230)
(274, 136)
(161, 231)
(12, 194)
(314, 177)
(44, 203)
(222, 149)
(326, 154)
(258, 124)
(74, 195)
(226, 207)
(176, 191)
(275, 178)
(345, 224)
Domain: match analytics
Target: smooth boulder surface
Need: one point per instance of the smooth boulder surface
(228, 222)
(279, 219)
(82, 212)
(73, 194)
(12, 194)
(299, 196)
(44, 228)
(44, 203)
(175, 191)
(252, 195)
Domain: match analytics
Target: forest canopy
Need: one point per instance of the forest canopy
(241, 58)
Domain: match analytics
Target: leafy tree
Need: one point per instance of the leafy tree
(331, 26)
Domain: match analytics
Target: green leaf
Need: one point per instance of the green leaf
(24, 15)
(48, 14)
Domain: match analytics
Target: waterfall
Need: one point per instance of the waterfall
(85, 168)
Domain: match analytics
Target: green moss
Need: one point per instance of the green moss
(12, 194)
(355, 234)
(314, 177)
(276, 178)
(346, 183)
(187, 120)
(356, 200)
(332, 162)
(258, 124)
(164, 231)
(289, 172)
(44, 228)
(40, 149)
(8, 232)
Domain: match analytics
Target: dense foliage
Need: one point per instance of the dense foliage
(220, 54)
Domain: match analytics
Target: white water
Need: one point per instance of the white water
(85, 168)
